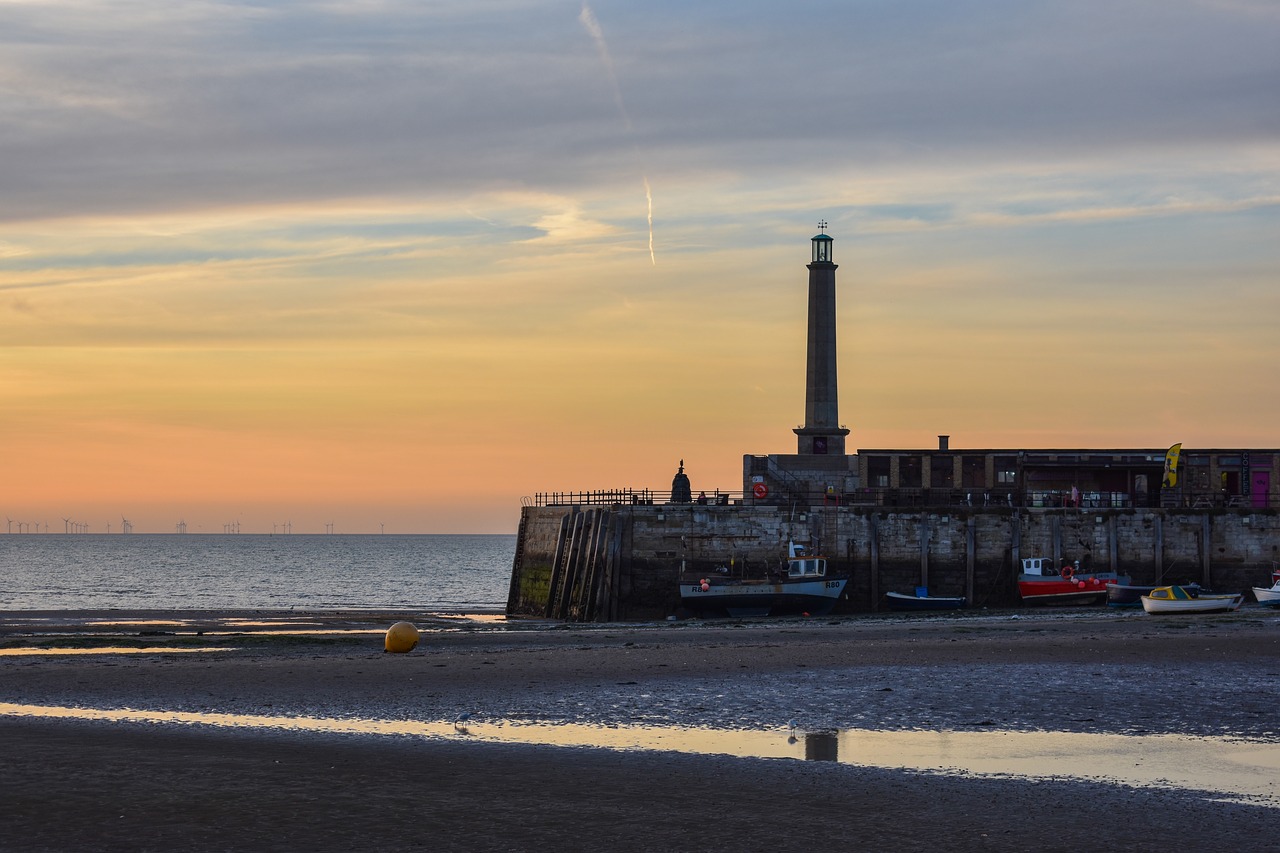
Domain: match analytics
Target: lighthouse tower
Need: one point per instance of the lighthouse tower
(821, 434)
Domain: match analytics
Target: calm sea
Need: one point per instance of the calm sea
(448, 573)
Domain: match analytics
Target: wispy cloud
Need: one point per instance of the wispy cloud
(589, 21)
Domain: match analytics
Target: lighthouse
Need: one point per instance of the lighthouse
(821, 434)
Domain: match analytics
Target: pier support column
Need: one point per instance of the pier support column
(873, 541)
(1015, 543)
(557, 565)
(925, 534)
(971, 556)
(1206, 549)
(1157, 533)
(1113, 544)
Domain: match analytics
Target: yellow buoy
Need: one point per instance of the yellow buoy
(401, 637)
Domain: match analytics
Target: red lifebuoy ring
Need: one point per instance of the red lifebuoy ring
(760, 490)
(1067, 573)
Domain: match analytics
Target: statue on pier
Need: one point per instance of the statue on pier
(681, 491)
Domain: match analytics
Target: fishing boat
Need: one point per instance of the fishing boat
(1041, 583)
(922, 600)
(1130, 595)
(1268, 596)
(1175, 599)
(802, 585)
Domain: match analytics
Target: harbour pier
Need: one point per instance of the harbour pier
(956, 521)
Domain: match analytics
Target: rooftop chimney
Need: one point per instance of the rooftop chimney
(944, 442)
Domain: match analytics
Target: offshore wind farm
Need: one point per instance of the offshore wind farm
(440, 573)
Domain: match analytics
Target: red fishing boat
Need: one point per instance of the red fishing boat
(1042, 583)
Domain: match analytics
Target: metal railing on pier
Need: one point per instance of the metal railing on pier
(631, 497)
(796, 496)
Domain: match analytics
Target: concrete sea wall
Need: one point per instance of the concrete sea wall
(596, 563)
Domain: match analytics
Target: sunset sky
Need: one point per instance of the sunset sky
(387, 262)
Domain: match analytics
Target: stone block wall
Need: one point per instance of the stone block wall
(975, 552)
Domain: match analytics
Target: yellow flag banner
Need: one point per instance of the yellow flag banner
(1171, 466)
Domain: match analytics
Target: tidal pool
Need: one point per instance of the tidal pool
(105, 650)
(1222, 768)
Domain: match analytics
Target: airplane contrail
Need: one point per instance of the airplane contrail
(588, 19)
(648, 195)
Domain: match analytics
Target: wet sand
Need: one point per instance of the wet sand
(115, 786)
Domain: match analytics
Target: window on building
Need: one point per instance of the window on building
(878, 472)
(974, 472)
(943, 472)
(909, 472)
(1006, 470)
(1195, 477)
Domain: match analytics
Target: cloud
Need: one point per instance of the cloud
(152, 106)
(569, 225)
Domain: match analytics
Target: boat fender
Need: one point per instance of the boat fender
(706, 587)
(1067, 573)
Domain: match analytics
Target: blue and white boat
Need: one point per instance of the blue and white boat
(803, 587)
(922, 600)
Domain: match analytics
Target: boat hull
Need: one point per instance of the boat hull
(1203, 604)
(1269, 597)
(1130, 595)
(816, 597)
(899, 601)
(1080, 589)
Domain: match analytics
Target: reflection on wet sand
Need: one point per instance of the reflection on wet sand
(822, 746)
(210, 623)
(478, 617)
(106, 650)
(1225, 769)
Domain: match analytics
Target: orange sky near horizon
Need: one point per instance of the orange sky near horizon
(434, 406)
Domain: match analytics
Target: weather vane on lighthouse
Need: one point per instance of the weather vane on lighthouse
(822, 226)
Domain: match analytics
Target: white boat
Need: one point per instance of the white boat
(1268, 596)
(804, 587)
(1175, 599)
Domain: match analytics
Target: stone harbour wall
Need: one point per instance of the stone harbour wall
(623, 562)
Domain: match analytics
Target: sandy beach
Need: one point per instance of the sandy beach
(111, 785)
